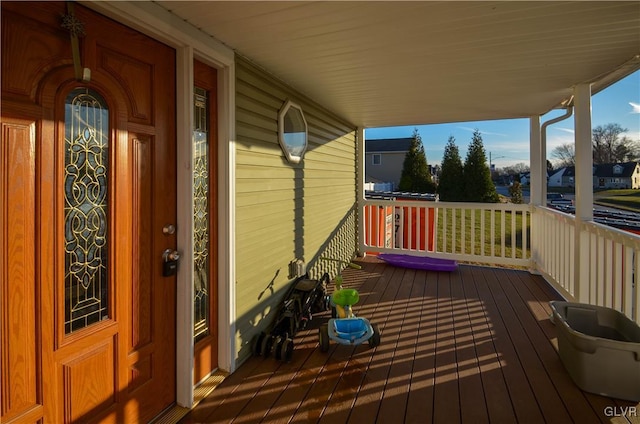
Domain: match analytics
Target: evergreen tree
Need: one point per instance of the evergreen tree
(450, 188)
(478, 186)
(515, 190)
(549, 167)
(415, 176)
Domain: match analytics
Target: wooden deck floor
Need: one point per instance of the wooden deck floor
(472, 346)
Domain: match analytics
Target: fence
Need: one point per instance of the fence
(602, 271)
(497, 233)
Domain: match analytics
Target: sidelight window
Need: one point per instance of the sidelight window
(86, 177)
(201, 234)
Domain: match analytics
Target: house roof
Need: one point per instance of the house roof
(558, 172)
(379, 63)
(603, 170)
(606, 170)
(387, 145)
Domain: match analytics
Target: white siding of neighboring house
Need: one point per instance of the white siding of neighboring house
(555, 180)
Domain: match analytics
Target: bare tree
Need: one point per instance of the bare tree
(518, 168)
(565, 155)
(610, 147)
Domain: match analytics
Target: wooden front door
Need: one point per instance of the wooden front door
(88, 207)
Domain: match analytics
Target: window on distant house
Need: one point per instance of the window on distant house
(617, 169)
(377, 159)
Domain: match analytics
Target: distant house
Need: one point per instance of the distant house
(617, 175)
(384, 159)
(608, 175)
(563, 177)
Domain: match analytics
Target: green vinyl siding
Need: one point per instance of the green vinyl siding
(286, 211)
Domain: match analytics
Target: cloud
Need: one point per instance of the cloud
(568, 130)
(635, 107)
(554, 141)
(482, 132)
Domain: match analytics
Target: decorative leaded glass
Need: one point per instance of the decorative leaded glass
(86, 165)
(201, 215)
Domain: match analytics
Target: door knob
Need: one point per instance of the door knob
(170, 262)
(170, 255)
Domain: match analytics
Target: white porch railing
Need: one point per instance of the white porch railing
(491, 233)
(541, 239)
(609, 260)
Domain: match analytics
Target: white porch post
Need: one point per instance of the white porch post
(360, 175)
(537, 185)
(538, 163)
(584, 189)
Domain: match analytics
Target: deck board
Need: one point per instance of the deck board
(472, 346)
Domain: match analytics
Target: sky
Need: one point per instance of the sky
(507, 141)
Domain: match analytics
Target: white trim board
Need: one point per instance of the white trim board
(190, 43)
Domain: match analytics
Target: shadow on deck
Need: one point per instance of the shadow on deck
(472, 346)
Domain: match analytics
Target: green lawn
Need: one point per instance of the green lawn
(623, 199)
(480, 245)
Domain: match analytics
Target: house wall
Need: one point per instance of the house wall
(614, 182)
(568, 181)
(555, 180)
(389, 170)
(286, 211)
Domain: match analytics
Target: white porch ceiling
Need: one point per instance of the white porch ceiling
(406, 63)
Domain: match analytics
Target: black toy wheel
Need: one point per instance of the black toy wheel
(257, 345)
(327, 303)
(277, 350)
(267, 345)
(323, 336)
(374, 340)
(286, 350)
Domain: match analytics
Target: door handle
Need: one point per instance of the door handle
(170, 255)
(170, 259)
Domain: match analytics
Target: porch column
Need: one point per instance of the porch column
(538, 163)
(360, 176)
(537, 185)
(584, 188)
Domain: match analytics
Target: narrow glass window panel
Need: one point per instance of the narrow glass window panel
(86, 167)
(201, 215)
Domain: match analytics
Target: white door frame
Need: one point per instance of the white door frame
(190, 43)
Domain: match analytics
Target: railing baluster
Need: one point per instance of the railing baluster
(463, 232)
(618, 267)
(627, 285)
(635, 308)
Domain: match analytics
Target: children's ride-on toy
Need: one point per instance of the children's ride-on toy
(305, 298)
(345, 328)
